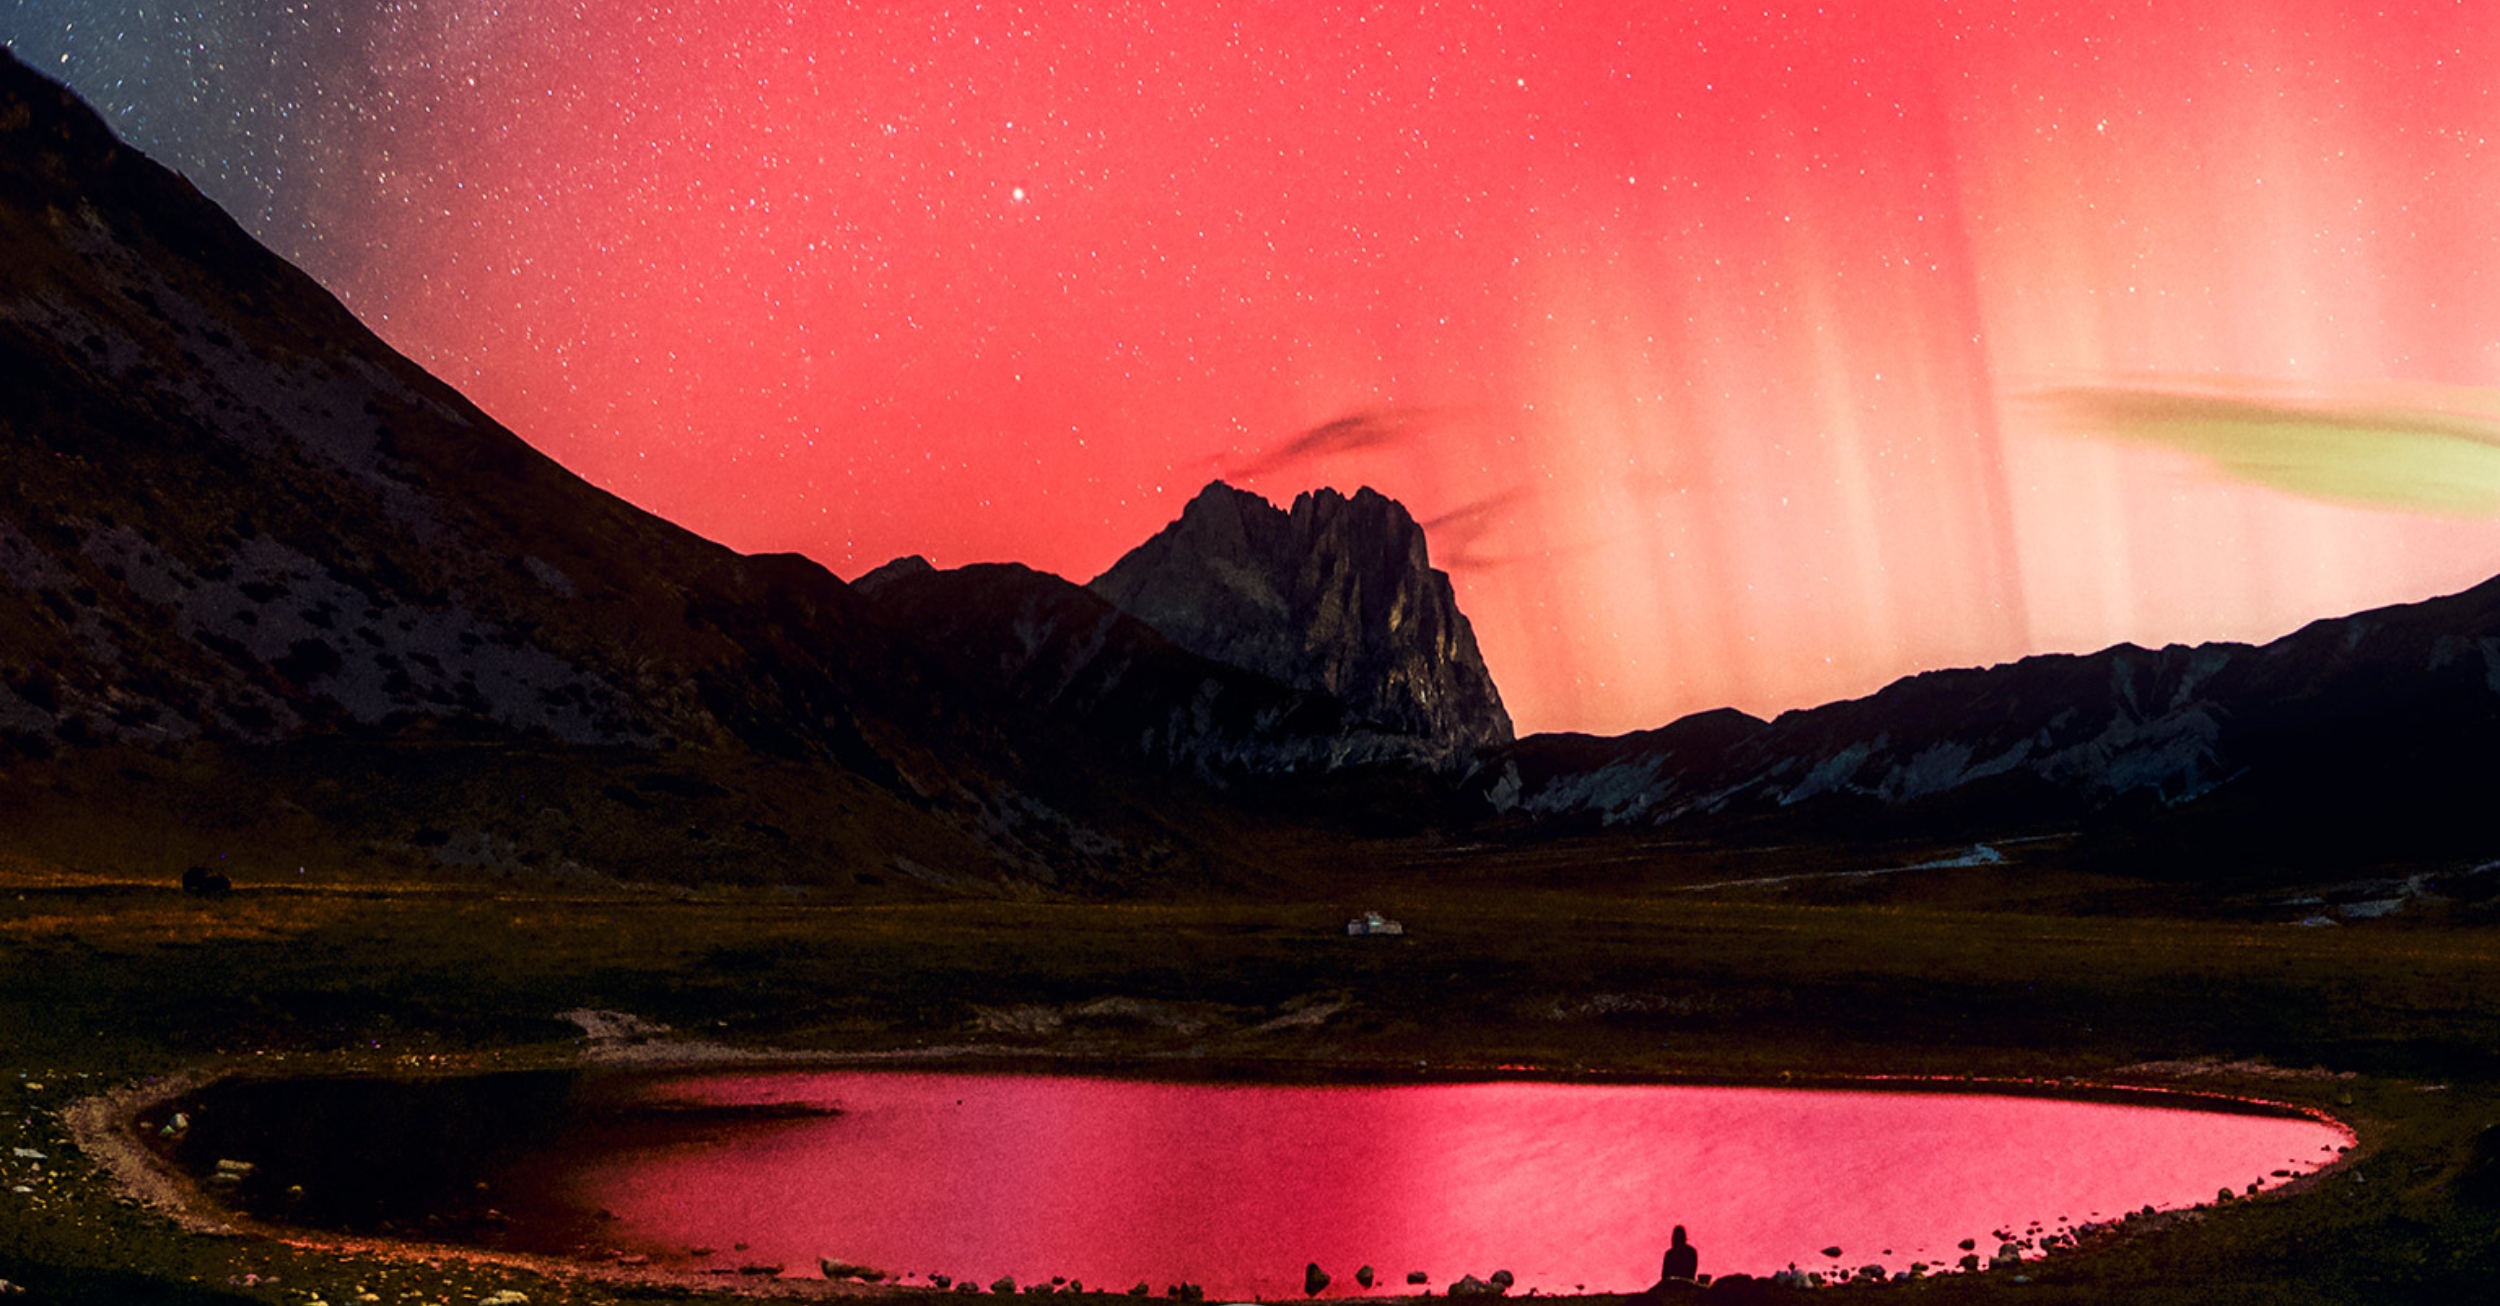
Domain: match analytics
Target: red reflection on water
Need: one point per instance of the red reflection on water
(1112, 1182)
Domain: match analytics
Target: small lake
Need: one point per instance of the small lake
(1115, 1182)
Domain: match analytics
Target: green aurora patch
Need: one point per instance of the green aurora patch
(2427, 458)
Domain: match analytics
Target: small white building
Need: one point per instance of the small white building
(1372, 922)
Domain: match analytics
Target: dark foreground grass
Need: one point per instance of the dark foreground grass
(1574, 965)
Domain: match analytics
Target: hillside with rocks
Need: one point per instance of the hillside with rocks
(2356, 736)
(238, 529)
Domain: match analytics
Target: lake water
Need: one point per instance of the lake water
(1114, 1182)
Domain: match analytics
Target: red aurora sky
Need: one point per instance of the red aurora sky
(1733, 355)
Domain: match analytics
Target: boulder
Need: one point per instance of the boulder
(2480, 1181)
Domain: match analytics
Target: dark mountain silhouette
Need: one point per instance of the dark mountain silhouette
(1065, 651)
(1337, 596)
(238, 531)
(2355, 737)
(266, 585)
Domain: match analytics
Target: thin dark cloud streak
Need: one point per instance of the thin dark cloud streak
(1458, 535)
(1367, 430)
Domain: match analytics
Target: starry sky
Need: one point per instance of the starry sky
(1732, 354)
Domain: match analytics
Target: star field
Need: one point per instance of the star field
(1745, 355)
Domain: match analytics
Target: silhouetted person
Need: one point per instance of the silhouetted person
(1682, 1261)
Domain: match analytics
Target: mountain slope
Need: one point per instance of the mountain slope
(2373, 730)
(1337, 596)
(231, 519)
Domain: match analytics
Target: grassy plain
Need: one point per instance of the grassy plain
(1598, 958)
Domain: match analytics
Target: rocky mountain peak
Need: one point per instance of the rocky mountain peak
(898, 569)
(1336, 595)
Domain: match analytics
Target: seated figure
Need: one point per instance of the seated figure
(1682, 1261)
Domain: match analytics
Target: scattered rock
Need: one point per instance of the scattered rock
(1004, 1285)
(508, 1297)
(1418, 1276)
(1313, 1279)
(1363, 1276)
(1471, 1286)
(2480, 1180)
(1831, 1251)
(1501, 1281)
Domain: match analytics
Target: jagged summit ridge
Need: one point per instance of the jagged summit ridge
(1337, 595)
